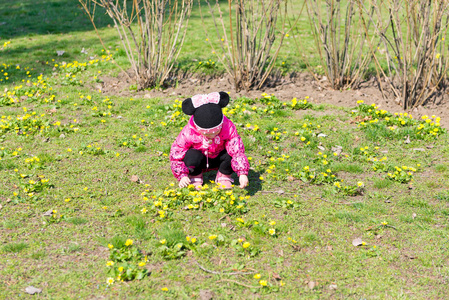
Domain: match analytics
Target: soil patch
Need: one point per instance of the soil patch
(286, 88)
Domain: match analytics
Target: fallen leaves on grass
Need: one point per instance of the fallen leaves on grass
(32, 290)
(357, 242)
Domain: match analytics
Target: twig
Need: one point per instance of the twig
(391, 226)
(222, 273)
(278, 192)
(239, 283)
(227, 215)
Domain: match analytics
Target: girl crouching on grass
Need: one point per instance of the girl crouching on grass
(208, 142)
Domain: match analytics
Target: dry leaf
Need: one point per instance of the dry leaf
(414, 216)
(329, 248)
(337, 149)
(407, 140)
(206, 295)
(48, 213)
(290, 178)
(296, 248)
(357, 242)
(276, 276)
(135, 178)
(311, 285)
(32, 290)
(332, 286)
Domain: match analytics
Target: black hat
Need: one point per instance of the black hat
(206, 109)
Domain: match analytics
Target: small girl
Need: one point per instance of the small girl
(209, 141)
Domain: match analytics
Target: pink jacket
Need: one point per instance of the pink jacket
(228, 139)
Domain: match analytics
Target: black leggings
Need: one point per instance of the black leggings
(196, 161)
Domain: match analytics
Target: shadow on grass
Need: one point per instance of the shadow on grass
(254, 181)
(40, 58)
(39, 17)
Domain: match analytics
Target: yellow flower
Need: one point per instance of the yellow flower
(110, 246)
(257, 276)
(272, 223)
(128, 242)
(272, 231)
(110, 281)
(110, 263)
(120, 269)
(246, 245)
(263, 282)
(193, 240)
(360, 184)
(142, 263)
(212, 237)
(164, 289)
(163, 241)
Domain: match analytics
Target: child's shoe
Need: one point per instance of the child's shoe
(196, 180)
(224, 181)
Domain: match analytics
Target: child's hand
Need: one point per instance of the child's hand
(184, 182)
(243, 179)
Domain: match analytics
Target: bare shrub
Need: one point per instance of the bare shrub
(152, 33)
(340, 33)
(413, 35)
(246, 42)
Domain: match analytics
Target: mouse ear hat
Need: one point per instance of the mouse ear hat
(206, 109)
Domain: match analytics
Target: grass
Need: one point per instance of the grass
(14, 247)
(92, 200)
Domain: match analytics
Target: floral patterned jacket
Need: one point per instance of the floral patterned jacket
(228, 139)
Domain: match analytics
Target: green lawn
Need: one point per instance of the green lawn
(339, 205)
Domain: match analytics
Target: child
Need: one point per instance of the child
(208, 141)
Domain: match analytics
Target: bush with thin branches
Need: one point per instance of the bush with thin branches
(340, 33)
(152, 33)
(413, 35)
(246, 41)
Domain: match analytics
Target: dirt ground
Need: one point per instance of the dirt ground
(294, 86)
